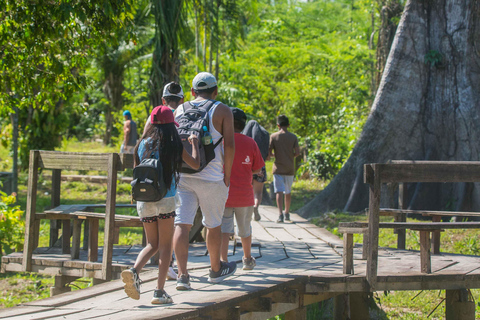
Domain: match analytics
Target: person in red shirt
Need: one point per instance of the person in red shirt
(247, 161)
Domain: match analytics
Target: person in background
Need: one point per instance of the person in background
(207, 189)
(261, 136)
(172, 97)
(162, 142)
(284, 148)
(130, 135)
(247, 160)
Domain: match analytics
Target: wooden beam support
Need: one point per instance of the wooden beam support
(232, 313)
(348, 253)
(373, 225)
(425, 257)
(55, 202)
(458, 305)
(77, 231)
(29, 243)
(296, 314)
(436, 236)
(284, 296)
(93, 240)
(260, 304)
(66, 236)
(402, 217)
(113, 160)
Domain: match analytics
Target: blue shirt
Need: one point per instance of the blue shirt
(141, 150)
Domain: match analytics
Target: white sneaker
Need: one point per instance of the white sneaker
(171, 274)
(132, 283)
(161, 297)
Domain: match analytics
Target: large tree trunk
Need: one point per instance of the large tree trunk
(426, 108)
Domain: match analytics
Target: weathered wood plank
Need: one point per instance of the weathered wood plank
(93, 240)
(415, 225)
(348, 253)
(110, 217)
(30, 210)
(425, 257)
(373, 223)
(429, 213)
(429, 171)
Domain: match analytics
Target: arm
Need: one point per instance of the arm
(192, 160)
(126, 132)
(228, 140)
(270, 150)
(296, 149)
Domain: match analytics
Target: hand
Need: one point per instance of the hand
(193, 139)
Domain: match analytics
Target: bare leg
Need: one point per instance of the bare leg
(180, 244)
(247, 247)
(288, 201)
(280, 203)
(165, 237)
(257, 192)
(214, 243)
(151, 248)
(224, 251)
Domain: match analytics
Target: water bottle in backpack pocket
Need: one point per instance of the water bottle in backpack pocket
(195, 120)
(148, 184)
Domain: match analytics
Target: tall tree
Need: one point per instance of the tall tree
(170, 22)
(426, 108)
(42, 48)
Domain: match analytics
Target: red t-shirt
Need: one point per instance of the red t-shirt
(247, 159)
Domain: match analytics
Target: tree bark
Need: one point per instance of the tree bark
(425, 108)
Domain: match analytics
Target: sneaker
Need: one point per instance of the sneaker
(171, 274)
(132, 283)
(183, 282)
(280, 219)
(161, 297)
(248, 264)
(287, 217)
(256, 214)
(226, 269)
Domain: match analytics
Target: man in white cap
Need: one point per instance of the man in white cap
(207, 189)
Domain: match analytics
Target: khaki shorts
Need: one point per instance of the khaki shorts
(243, 215)
(211, 196)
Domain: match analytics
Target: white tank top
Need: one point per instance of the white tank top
(214, 169)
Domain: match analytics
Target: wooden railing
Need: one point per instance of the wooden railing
(58, 161)
(403, 172)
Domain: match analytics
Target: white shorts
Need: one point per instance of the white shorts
(243, 215)
(151, 209)
(282, 183)
(211, 196)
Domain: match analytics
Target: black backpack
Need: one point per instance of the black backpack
(148, 184)
(193, 120)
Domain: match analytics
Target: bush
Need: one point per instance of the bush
(12, 226)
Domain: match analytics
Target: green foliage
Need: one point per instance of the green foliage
(12, 224)
(434, 58)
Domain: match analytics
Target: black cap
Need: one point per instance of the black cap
(239, 115)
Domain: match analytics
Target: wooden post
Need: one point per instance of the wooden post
(436, 236)
(86, 233)
(373, 222)
(61, 283)
(402, 217)
(66, 236)
(110, 216)
(425, 259)
(340, 307)
(77, 231)
(359, 306)
(348, 253)
(55, 202)
(30, 211)
(458, 306)
(93, 240)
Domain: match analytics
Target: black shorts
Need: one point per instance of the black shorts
(260, 178)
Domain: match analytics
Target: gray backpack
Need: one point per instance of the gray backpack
(194, 120)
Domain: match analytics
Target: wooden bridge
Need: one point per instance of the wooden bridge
(297, 264)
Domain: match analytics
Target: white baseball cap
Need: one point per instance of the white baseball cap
(204, 80)
(167, 93)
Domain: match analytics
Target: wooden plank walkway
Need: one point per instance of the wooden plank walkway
(297, 264)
